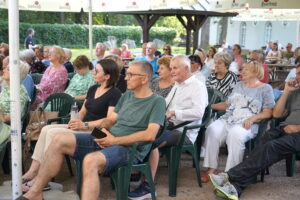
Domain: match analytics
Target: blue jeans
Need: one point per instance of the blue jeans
(116, 156)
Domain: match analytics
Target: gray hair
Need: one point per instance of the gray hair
(144, 67)
(226, 57)
(152, 45)
(101, 44)
(68, 53)
(24, 69)
(184, 60)
(260, 55)
(27, 54)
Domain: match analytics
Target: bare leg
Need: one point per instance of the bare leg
(93, 164)
(153, 159)
(62, 144)
(33, 170)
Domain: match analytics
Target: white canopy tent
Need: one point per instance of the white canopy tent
(259, 10)
(14, 6)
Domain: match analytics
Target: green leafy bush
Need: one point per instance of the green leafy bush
(76, 36)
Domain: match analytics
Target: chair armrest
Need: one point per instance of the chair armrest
(57, 119)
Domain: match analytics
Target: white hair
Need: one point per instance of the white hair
(68, 53)
(183, 60)
(153, 45)
(27, 54)
(103, 46)
(24, 69)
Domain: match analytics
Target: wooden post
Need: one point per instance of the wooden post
(146, 22)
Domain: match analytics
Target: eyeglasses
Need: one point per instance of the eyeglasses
(166, 49)
(129, 74)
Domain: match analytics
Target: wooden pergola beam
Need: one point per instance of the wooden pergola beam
(146, 21)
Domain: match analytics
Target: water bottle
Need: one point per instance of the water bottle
(74, 112)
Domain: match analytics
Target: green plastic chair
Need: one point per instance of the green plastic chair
(70, 75)
(121, 176)
(36, 77)
(2, 150)
(173, 153)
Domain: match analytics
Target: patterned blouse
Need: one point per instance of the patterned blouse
(51, 83)
(244, 102)
(80, 84)
(224, 85)
(5, 100)
(154, 85)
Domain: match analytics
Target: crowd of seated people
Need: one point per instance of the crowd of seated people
(181, 80)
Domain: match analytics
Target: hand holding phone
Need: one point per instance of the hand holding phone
(97, 133)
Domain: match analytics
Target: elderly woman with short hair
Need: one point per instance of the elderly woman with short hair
(222, 79)
(250, 102)
(164, 83)
(55, 77)
(5, 94)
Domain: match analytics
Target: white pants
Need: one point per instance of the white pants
(235, 137)
(46, 136)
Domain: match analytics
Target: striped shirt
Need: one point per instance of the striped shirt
(224, 85)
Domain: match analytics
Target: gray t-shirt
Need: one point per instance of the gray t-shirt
(246, 102)
(135, 114)
(293, 108)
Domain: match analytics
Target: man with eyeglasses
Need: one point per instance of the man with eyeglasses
(136, 118)
(150, 57)
(186, 102)
(274, 146)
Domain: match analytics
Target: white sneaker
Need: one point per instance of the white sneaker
(227, 191)
(218, 179)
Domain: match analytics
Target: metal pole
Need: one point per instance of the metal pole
(15, 107)
(297, 33)
(91, 29)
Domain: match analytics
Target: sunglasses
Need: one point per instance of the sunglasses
(166, 49)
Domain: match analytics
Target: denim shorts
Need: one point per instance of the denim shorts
(172, 138)
(116, 156)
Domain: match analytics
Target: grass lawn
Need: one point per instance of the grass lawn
(77, 52)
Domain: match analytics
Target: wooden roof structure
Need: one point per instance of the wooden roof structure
(194, 20)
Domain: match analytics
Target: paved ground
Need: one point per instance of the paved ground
(276, 186)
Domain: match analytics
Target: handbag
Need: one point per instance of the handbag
(38, 119)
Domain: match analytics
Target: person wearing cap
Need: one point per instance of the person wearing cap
(196, 66)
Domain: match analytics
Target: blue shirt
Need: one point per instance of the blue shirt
(29, 85)
(153, 63)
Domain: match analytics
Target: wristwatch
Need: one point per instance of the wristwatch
(86, 125)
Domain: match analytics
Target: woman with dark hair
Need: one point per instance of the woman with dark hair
(82, 80)
(209, 61)
(167, 51)
(274, 55)
(100, 102)
(237, 64)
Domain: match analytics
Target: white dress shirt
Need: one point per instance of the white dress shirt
(189, 100)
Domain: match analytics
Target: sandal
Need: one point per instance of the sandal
(205, 177)
(25, 180)
(25, 188)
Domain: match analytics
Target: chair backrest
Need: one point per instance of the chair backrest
(158, 135)
(60, 102)
(214, 96)
(2, 150)
(36, 77)
(70, 75)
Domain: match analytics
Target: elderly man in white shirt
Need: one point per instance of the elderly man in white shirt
(186, 102)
